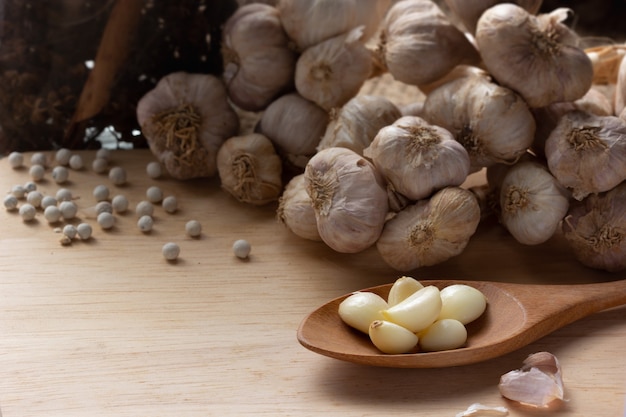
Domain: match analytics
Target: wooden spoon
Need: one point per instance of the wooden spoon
(516, 315)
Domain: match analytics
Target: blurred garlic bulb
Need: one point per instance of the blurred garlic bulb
(250, 169)
(349, 199)
(418, 44)
(417, 158)
(258, 63)
(355, 125)
(587, 153)
(333, 71)
(469, 12)
(492, 122)
(295, 209)
(532, 203)
(595, 229)
(430, 231)
(309, 22)
(185, 119)
(537, 56)
(295, 125)
(620, 89)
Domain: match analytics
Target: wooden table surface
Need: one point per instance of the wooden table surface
(107, 327)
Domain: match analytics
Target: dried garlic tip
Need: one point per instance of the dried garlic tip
(349, 198)
(587, 153)
(258, 61)
(185, 119)
(493, 123)
(595, 229)
(250, 169)
(537, 56)
(418, 158)
(538, 383)
(468, 12)
(295, 210)
(419, 45)
(430, 231)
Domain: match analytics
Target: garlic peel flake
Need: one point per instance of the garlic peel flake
(477, 409)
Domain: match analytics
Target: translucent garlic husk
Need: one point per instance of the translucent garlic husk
(185, 119)
(595, 229)
(537, 56)
(532, 203)
(355, 125)
(419, 45)
(430, 231)
(249, 169)
(418, 158)
(587, 153)
(333, 71)
(295, 125)
(259, 64)
(295, 210)
(349, 198)
(309, 22)
(469, 12)
(493, 123)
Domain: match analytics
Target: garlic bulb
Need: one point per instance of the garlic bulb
(587, 153)
(185, 119)
(430, 231)
(333, 71)
(595, 229)
(492, 122)
(417, 158)
(537, 56)
(295, 125)
(532, 203)
(250, 169)
(419, 45)
(469, 12)
(295, 209)
(258, 63)
(620, 88)
(349, 198)
(355, 125)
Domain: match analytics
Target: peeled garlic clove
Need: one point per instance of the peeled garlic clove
(258, 62)
(249, 169)
(587, 153)
(595, 229)
(355, 125)
(430, 231)
(402, 288)
(295, 209)
(411, 149)
(443, 334)
(391, 338)
(417, 311)
(418, 44)
(185, 119)
(462, 302)
(536, 56)
(332, 72)
(361, 308)
(470, 11)
(532, 203)
(349, 199)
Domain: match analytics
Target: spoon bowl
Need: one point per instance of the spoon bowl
(516, 315)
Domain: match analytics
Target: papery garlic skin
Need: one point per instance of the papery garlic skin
(333, 71)
(536, 56)
(418, 158)
(469, 12)
(418, 44)
(258, 62)
(361, 308)
(493, 123)
(349, 198)
(355, 125)
(249, 169)
(185, 119)
(595, 229)
(587, 153)
(532, 203)
(430, 231)
(295, 210)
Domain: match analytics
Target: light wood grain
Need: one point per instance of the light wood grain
(109, 328)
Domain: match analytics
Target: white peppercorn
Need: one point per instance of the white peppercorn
(144, 208)
(70, 231)
(84, 231)
(103, 153)
(27, 211)
(193, 228)
(145, 223)
(170, 204)
(37, 172)
(117, 175)
(154, 169)
(47, 201)
(34, 198)
(16, 160)
(18, 191)
(68, 209)
(241, 248)
(63, 194)
(106, 220)
(101, 192)
(154, 194)
(119, 203)
(63, 156)
(39, 158)
(10, 202)
(76, 162)
(52, 214)
(60, 174)
(100, 165)
(30, 186)
(104, 207)
(171, 251)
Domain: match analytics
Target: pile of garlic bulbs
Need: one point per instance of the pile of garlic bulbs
(507, 90)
